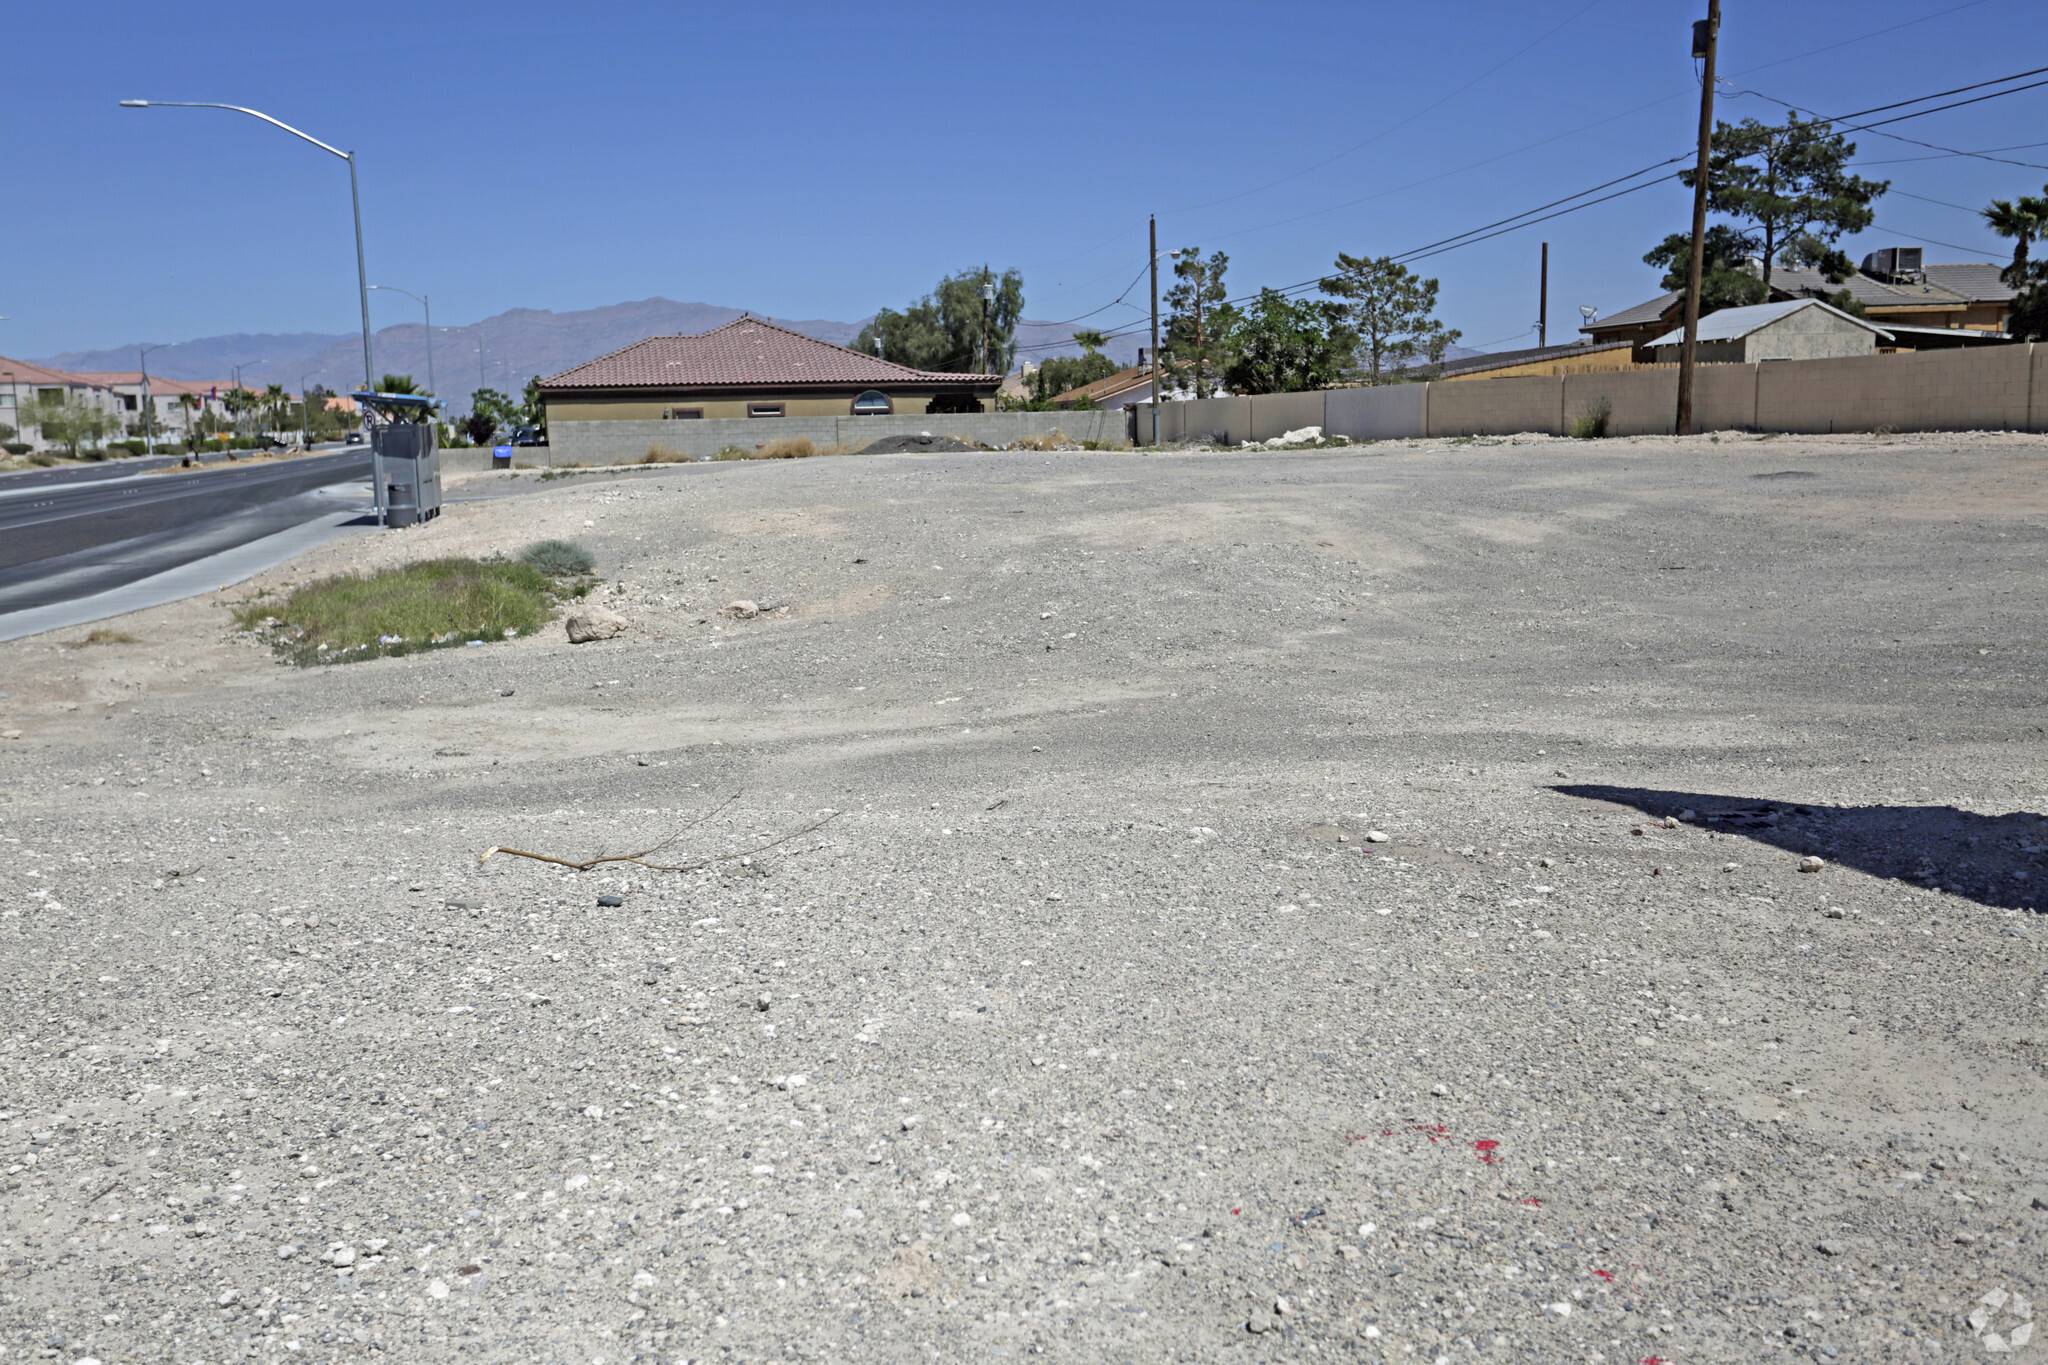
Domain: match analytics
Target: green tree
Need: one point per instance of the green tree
(1089, 340)
(1062, 373)
(399, 383)
(943, 331)
(1284, 345)
(1195, 344)
(533, 409)
(2025, 220)
(488, 410)
(1726, 281)
(1390, 313)
(1790, 181)
(67, 420)
(275, 402)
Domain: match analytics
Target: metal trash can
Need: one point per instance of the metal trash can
(405, 459)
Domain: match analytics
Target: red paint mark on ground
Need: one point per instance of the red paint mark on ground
(1655, 1360)
(1606, 1275)
(1533, 1203)
(1487, 1149)
(1434, 1132)
(1235, 1212)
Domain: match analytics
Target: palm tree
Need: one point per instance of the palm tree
(188, 404)
(276, 399)
(2024, 220)
(1090, 340)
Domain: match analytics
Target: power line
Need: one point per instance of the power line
(1955, 246)
(1943, 94)
(1902, 160)
(1943, 202)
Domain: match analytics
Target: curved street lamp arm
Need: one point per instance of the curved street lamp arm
(252, 113)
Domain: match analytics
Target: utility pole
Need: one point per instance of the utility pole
(1543, 301)
(1157, 396)
(1706, 35)
(988, 295)
(1201, 340)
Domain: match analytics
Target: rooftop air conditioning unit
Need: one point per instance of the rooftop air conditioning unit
(1893, 262)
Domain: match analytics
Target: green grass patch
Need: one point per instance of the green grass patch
(559, 558)
(435, 604)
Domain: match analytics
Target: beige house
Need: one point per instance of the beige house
(1794, 329)
(752, 368)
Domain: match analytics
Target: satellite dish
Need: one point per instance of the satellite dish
(1588, 312)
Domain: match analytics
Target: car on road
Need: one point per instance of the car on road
(355, 438)
(530, 436)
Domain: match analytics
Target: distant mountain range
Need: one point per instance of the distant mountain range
(515, 346)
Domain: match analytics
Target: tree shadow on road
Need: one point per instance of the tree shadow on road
(1997, 860)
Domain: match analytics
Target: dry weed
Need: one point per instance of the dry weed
(660, 454)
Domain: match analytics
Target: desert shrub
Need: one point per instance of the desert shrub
(104, 636)
(17, 447)
(660, 454)
(788, 448)
(435, 604)
(1043, 440)
(734, 453)
(1591, 423)
(558, 558)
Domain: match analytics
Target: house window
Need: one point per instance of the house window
(764, 409)
(682, 412)
(128, 401)
(873, 403)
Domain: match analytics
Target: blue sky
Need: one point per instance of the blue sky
(820, 161)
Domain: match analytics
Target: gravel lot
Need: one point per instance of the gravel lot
(1279, 906)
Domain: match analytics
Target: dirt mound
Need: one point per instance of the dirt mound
(923, 440)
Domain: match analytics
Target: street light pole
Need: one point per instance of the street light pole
(238, 386)
(305, 414)
(420, 299)
(355, 198)
(1157, 397)
(148, 424)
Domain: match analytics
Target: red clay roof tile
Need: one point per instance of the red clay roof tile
(745, 351)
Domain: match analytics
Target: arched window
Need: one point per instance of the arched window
(873, 403)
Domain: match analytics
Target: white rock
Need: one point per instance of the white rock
(576, 1182)
(643, 1280)
(593, 1111)
(1563, 1310)
(1375, 836)
(961, 1220)
(341, 1256)
(286, 1251)
(228, 1296)
(1440, 1090)
(437, 1289)
(741, 610)
(911, 1121)
(592, 622)
(1811, 864)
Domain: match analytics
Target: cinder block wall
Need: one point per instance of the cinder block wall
(1497, 407)
(1276, 414)
(594, 443)
(1988, 388)
(1386, 412)
(1969, 389)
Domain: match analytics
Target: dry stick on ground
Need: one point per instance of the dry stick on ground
(640, 858)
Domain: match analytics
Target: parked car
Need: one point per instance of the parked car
(355, 438)
(530, 436)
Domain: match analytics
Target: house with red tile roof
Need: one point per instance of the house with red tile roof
(753, 368)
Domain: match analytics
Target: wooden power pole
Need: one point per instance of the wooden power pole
(1543, 301)
(1157, 396)
(1706, 36)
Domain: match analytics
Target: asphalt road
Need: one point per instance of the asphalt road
(53, 539)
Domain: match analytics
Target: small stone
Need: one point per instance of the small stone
(437, 1289)
(1562, 1310)
(1259, 1322)
(10, 734)
(911, 1121)
(1837, 912)
(742, 610)
(227, 1297)
(589, 623)
(1830, 1248)
(1281, 1306)
(1440, 1090)
(1375, 836)
(2040, 1201)
(593, 1111)
(643, 1279)
(286, 1252)
(341, 1256)
(611, 902)
(1730, 867)
(764, 1003)
(1546, 862)
(1810, 863)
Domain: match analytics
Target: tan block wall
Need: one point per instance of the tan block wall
(1276, 414)
(1498, 407)
(650, 409)
(1229, 420)
(1962, 390)
(2038, 390)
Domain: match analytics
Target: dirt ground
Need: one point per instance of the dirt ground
(1267, 906)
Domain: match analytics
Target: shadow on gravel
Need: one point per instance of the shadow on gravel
(1992, 859)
